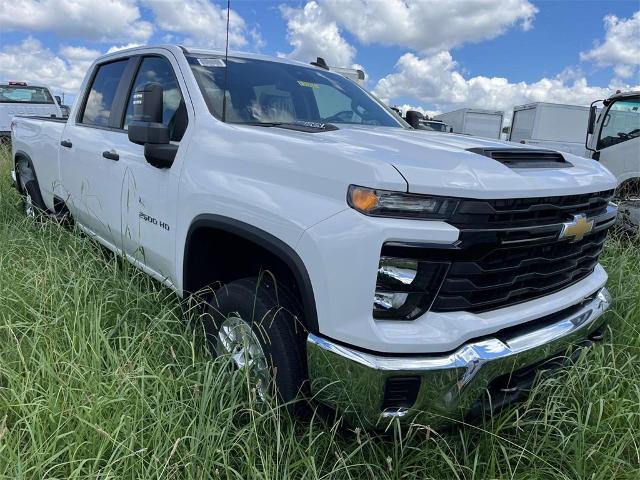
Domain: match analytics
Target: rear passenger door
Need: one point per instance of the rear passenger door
(89, 166)
(150, 194)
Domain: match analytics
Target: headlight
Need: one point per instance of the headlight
(384, 203)
(405, 288)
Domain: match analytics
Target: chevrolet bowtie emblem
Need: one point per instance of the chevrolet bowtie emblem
(577, 228)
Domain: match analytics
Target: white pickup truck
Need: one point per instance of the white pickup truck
(19, 98)
(387, 272)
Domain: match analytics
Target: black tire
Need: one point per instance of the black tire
(29, 188)
(274, 317)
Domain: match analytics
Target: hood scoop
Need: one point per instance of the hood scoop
(524, 157)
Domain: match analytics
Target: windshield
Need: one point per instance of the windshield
(20, 94)
(621, 123)
(265, 92)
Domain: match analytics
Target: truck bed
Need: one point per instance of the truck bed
(38, 138)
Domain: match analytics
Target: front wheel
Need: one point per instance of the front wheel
(256, 324)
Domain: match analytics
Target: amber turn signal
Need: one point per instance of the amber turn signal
(363, 199)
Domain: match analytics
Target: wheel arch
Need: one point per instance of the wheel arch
(208, 230)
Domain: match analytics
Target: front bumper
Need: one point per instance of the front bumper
(451, 386)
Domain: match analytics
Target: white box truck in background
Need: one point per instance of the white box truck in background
(474, 121)
(550, 125)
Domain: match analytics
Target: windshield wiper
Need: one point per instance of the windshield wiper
(309, 127)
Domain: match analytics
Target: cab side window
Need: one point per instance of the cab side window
(174, 113)
(102, 95)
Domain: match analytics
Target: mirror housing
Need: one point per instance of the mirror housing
(147, 128)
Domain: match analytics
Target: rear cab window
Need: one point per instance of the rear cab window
(24, 94)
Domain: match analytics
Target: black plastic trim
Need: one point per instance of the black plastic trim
(276, 246)
(524, 157)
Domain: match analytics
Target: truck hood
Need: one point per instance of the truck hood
(440, 164)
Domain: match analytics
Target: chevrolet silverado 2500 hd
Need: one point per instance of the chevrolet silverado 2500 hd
(409, 272)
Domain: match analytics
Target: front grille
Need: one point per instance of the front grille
(510, 251)
(526, 212)
(511, 275)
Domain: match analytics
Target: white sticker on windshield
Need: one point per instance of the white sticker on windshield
(211, 62)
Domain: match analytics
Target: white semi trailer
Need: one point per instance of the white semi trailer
(474, 121)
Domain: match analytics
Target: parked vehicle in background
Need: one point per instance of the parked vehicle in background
(337, 252)
(19, 98)
(550, 125)
(65, 109)
(613, 138)
(435, 125)
(353, 74)
(474, 121)
(422, 122)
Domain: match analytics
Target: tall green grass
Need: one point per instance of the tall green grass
(100, 377)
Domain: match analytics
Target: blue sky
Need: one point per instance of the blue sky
(432, 54)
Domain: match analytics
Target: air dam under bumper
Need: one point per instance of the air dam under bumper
(446, 387)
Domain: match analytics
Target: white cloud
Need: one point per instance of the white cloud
(32, 62)
(101, 20)
(435, 82)
(429, 24)
(422, 25)
(621, 46)
(201, 22)
(63, 71)
(313, 33)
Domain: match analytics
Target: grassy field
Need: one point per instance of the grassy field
(101, 378)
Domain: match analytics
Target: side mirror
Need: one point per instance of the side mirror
(147, 128)
(58, 99)
(413, 118)
(591, 126)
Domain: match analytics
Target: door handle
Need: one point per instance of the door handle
(111, 155)
(66, 143)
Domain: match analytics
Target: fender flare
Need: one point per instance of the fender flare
(268, 241)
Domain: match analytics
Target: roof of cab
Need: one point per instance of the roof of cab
(203, 52)
(631, 93)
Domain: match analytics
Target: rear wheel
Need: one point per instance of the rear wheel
(256, 323)
(32, 201)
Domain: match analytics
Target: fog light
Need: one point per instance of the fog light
(387, 301)
(405, 288)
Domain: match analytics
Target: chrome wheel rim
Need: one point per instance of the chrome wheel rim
(237, 340)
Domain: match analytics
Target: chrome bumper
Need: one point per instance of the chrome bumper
(453, 385)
